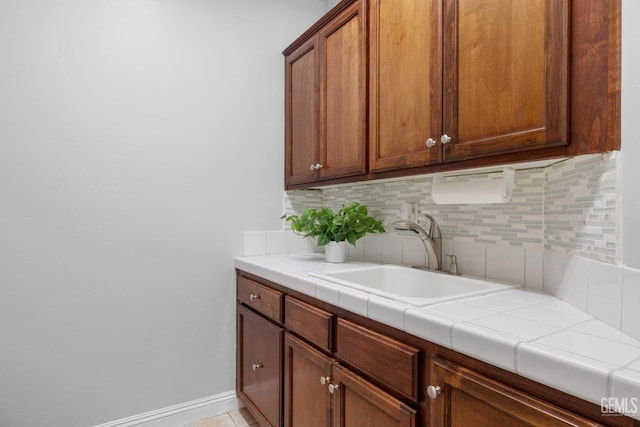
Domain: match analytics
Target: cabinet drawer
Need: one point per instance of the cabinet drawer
(311, 323)
(260, 297)
(389, 361)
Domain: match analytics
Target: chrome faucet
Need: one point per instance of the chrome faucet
(432, 240)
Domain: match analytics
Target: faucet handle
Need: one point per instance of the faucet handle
(453, 268)
(434, 228)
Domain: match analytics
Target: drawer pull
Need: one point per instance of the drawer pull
(434, 391)
(325, 380)
(257, 366)
(333, 388)
(254, 297)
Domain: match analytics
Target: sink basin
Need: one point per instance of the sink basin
(410, 285)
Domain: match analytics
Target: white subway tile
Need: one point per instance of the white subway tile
(357, 251)
(447, 249)
(413, 252)
(276, 242)
(553, 263)
(604, 299)
(391, 250)
(533, 268)
(471, 257)
(574, 281)
(631, 302)
(505, 263)
(373, 248)
(254, 243)
(297, 244)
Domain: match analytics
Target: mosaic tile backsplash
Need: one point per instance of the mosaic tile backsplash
(570, 207)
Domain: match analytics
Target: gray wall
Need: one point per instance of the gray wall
(630, 134)
(138, 139)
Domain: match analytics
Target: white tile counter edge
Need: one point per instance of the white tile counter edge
(523, 331)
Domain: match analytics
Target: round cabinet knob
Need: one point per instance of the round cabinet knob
(318, 166)
(253, 297)
(445, 139)
(257, 366)
(333, 388)
(433, 391)
(325, 380)
(430, 142)
(313, 167)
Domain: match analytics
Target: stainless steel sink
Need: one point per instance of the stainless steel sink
(410, 285)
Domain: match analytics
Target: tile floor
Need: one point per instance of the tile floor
(239, 418)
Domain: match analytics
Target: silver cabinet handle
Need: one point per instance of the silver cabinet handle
(445, 139)
(316, 167)
(430, 142)
(333, 388)
(434, 391)
(312, 167)
(257, 366)
(253, 297)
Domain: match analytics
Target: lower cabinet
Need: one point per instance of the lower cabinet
(304, 363)
(320, 392)
(461, 397)
(259, 366)
(308, 402)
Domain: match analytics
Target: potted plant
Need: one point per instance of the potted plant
(334, 229)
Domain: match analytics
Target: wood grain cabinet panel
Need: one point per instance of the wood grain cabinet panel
(259, 366)
(358, 403)
(405, 86)
(319, 392)
(506, 68)
(260, 297)
(325, 101)
(312, 323)
(307, 401)
(301, 110)
(469, 399)
(389, 361)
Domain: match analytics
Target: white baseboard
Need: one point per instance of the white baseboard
(183, 413)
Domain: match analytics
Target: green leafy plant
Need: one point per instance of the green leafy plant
(350, 223)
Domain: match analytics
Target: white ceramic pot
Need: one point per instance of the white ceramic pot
(335, 252)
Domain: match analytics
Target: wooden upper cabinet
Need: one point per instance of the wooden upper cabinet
(506, 68)
(373, 87)
(494, 78)
(325, 101)
(405, 88)
(343, 94)
(467, 398)
(301, 110)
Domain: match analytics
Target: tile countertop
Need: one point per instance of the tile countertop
(524, 331)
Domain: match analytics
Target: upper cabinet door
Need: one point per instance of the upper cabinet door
(506, 73)
(343, 101)
(301, 110)
(405, 88)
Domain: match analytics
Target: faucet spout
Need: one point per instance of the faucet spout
(431, 240)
